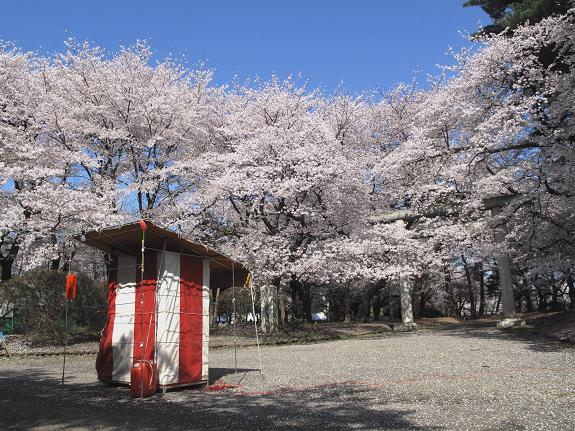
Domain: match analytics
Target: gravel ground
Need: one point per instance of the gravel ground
(223, 336)
(461, 377)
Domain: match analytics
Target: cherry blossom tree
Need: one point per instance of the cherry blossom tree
(308, 188)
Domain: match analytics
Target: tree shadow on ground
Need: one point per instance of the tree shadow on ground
(220, 373)
(35, 399)
(530, 335)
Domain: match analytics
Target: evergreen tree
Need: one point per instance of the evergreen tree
(513, 13)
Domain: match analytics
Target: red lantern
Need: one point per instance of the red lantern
(71, 287)
(144, 379)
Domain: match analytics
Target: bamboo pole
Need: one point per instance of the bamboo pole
(234, 321)
(66, 312)
(142, 312)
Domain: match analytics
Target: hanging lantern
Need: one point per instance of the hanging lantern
(71, 287)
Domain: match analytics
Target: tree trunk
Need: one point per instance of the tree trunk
(390, 299)
(377, 304)
(364, 312)
(519, 302)
(268, 308)
(376, 311)
(7, 259)
(273, 309)
(294, 296)
(330, 305)
(55, 264)
(470, 288)
(281, 300)
(528, 300)
(571, 284)
(451, 307)
(498, 302)
(347, 303)
(542, 302)
(6, 263)
(423, 298)
(296, 299)
(307, 301)
(416, 296)
(555, 298)
(481, 291)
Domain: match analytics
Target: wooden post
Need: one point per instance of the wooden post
(216, 302)
(3, 344)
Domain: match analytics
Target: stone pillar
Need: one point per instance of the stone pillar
(407, 322)
(506, 285)
(509, 318)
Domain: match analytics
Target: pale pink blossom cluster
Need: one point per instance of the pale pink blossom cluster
(295, 182)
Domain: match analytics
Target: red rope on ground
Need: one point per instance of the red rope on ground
(418, 379)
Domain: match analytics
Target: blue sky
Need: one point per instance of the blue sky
(366, 44)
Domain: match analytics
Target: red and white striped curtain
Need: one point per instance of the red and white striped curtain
(162, 318)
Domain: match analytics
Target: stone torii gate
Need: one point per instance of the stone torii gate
(495, 205)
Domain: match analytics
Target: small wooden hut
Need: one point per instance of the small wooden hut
(158, 302)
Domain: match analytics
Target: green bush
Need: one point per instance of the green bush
(39, 306)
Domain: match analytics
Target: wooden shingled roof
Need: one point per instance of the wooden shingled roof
(128, 239)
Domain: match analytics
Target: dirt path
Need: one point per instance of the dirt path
(463, 377)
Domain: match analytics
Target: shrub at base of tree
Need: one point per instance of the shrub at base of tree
(38, 301)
